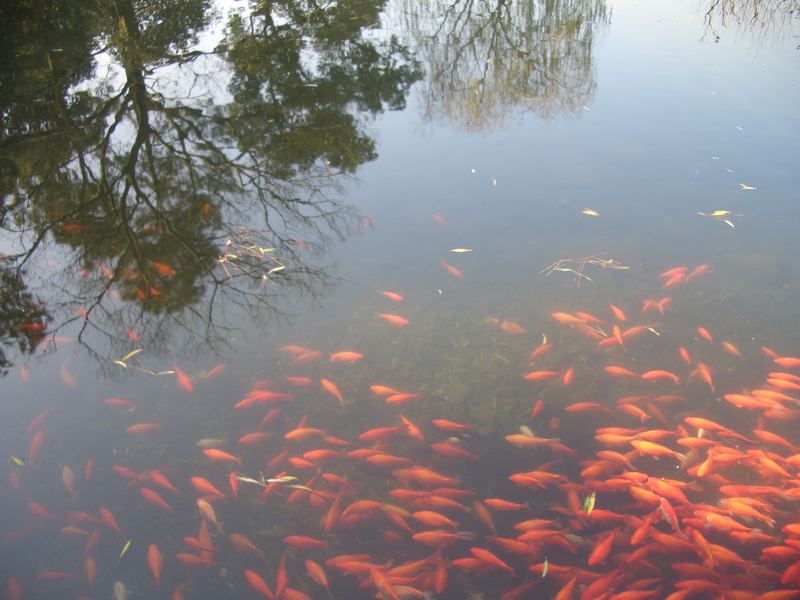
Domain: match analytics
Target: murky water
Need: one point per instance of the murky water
(203, 203)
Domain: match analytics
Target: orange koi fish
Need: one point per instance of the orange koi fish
(346, 356)
(540, 375)
(317, 574)
(383, 390)
(304, 542)
(120, 403)
(257, 583)
(660, 374)
(333, 390)
(393, 296)
(37, 421)
(450, 426)
(440, 538)
(539, 350)
(155, 499)
(619, 314)
(395, 320)
(163, 269)
(490, 559)
(655, 450)
(401, 398)
(787, 362)
(218, 455)
(156, 563)
(35, 445)
(109, 519)
(184, 381)
(453, 451)
(616, 371)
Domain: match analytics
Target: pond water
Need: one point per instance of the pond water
(452, 300)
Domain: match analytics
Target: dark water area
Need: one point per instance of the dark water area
(490, 209)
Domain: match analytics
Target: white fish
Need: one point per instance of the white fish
(120, 592)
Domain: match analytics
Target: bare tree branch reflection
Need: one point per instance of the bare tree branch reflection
(761, 18)
(486, 61)
(152, 202)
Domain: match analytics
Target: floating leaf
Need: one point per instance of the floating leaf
(125, 549)
(121, 364)
(590, 212)
(744, 186)
(17, 460)
(130, 354)
(461, 250)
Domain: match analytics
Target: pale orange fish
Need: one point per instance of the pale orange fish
(512, 327)
(395, 320)
(294, 350)
(333, 390)
(567, 319)
(307, 356)
(209, 513)
(346, 356)
(67, 377)
(451, 269)
(697, 272)
(68, 479)
(393, 296)
(214, 372)
(439, 219)
(731, 349)
(139, 428)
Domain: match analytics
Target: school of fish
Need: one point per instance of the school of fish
(663, 503)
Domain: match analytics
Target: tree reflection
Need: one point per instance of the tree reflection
(485, 61)
(167, 196)
(759, 17)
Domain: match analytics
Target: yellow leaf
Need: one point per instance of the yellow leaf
(590, 212)
(17, 460)
(744, 186)
(125, 548)
(720, 213)
(121, 364)
(130, 354)
(461, 250)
